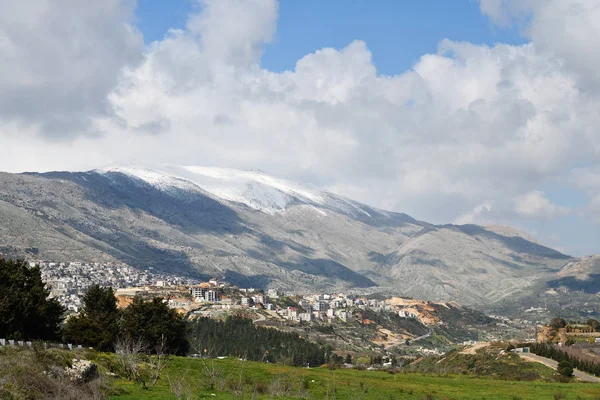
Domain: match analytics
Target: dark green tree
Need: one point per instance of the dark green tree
(97, 325)
(558, 323)
(238, 336)
(565, 368)
(154, 323)
(26, 312)
(594, 323)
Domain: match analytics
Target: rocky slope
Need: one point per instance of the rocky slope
(258, 230)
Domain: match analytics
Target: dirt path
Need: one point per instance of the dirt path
(553, 364)
(473, 349)
(401, 340)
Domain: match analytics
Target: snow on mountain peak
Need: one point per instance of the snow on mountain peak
(254, 188)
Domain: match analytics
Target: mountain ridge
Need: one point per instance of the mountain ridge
(263, 231)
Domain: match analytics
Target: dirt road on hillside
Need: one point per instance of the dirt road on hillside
(553, 364)
(473, 349)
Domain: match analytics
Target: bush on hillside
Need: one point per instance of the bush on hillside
(565, 368)
(36, 373)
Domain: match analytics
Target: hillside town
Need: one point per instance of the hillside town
(68, 282)
(358, 320)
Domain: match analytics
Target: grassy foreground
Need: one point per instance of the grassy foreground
(234, 379)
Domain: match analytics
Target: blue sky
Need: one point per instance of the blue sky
(397, 32)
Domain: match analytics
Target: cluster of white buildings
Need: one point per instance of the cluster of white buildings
(312, 308)
(321, 307)
(68, 281)
(205, 294)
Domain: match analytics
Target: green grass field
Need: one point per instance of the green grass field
(233, 379)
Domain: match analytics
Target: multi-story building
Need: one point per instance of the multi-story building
(321, 305)
(305, 317)
(212, 296)
(198, 292)
(303, 303)
(247, 301)
(261, 298)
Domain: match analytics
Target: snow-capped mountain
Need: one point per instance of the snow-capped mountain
(259, 230)
(255, 189)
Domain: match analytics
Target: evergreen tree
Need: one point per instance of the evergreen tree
(595, 324)
(97, 324)
(565, 368)
(237, 336)
(558, 323)
(154, 322)
(26, 312)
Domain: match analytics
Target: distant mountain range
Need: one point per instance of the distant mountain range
(257, 230)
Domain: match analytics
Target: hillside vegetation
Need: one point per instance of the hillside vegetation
(490, 361)
(23, 376)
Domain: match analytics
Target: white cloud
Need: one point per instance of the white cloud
(479, 214)
(568, 29)
(535, 205)
(459, 137)
(232, 31)
(59, 61)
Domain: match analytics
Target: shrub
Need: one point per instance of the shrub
(565, 369)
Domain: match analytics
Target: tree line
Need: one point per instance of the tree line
(565, 359)
(239, 337)
(558, 323)
(27, 313)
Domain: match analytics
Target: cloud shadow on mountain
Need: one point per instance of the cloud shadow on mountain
(192, 212)
(247, 281)
(329, 269)
(589, 286)
(514, 243)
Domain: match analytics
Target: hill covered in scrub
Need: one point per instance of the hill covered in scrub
(490, 361)
(24, 374)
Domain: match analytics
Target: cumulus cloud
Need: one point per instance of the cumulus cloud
(226, 33)
(470, 134)
(568, 29)
(535, 205)
(60, 59)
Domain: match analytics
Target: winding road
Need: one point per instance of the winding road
(554, 365)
